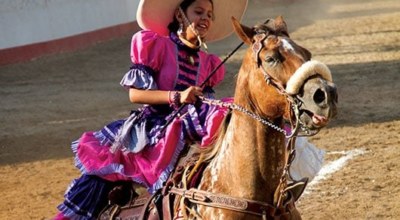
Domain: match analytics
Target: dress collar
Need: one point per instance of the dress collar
(181, 45)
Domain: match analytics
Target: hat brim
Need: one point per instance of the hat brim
(156, 15)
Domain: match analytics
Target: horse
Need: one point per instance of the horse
(247, 173)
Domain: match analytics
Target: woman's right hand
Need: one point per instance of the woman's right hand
(189, 96)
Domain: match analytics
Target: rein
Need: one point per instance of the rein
(239, 108)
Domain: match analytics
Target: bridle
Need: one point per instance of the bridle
(298, 128)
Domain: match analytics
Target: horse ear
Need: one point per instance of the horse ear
(280, 25)
(245, 33)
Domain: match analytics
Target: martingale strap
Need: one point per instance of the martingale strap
(233, 203)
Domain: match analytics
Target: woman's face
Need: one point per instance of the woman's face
(200, 14)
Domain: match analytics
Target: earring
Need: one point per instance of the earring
(180, 30)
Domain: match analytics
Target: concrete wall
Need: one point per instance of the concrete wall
(31, 28)
(30, 21)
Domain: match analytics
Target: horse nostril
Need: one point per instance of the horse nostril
(319, 96)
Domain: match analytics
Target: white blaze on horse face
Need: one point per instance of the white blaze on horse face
(287, 45)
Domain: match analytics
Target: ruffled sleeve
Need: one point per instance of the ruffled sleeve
(139, 77)
(146, 52)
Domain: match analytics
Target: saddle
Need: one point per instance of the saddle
(166, 204)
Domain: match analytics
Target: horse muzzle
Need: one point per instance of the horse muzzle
(319, 100)
(312, 86)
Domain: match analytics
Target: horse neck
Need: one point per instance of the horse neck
(251, 158)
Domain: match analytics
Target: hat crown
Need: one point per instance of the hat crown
(156, 15)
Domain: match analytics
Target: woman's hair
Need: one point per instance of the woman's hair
(174, 25)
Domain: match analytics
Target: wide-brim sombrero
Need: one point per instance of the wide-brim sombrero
(156, 15)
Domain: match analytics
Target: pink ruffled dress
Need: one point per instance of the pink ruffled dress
(134, 149)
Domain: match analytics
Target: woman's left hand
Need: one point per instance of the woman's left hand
(189, 96)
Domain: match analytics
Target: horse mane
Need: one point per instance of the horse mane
(214, 148)
(271, 27)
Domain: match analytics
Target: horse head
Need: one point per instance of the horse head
(285, 70)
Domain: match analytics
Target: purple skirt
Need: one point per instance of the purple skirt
(134, 149)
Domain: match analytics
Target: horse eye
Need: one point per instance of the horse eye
(270, 60)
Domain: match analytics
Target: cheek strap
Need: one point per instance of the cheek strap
(257, 46)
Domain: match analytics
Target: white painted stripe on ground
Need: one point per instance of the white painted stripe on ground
(66, 121)
(333, 166)
(337, 152)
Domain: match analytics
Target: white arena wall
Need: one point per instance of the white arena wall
(32, 28)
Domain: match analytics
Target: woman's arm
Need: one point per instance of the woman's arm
(154, 97)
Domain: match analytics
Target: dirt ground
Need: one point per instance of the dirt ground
(48, 102)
